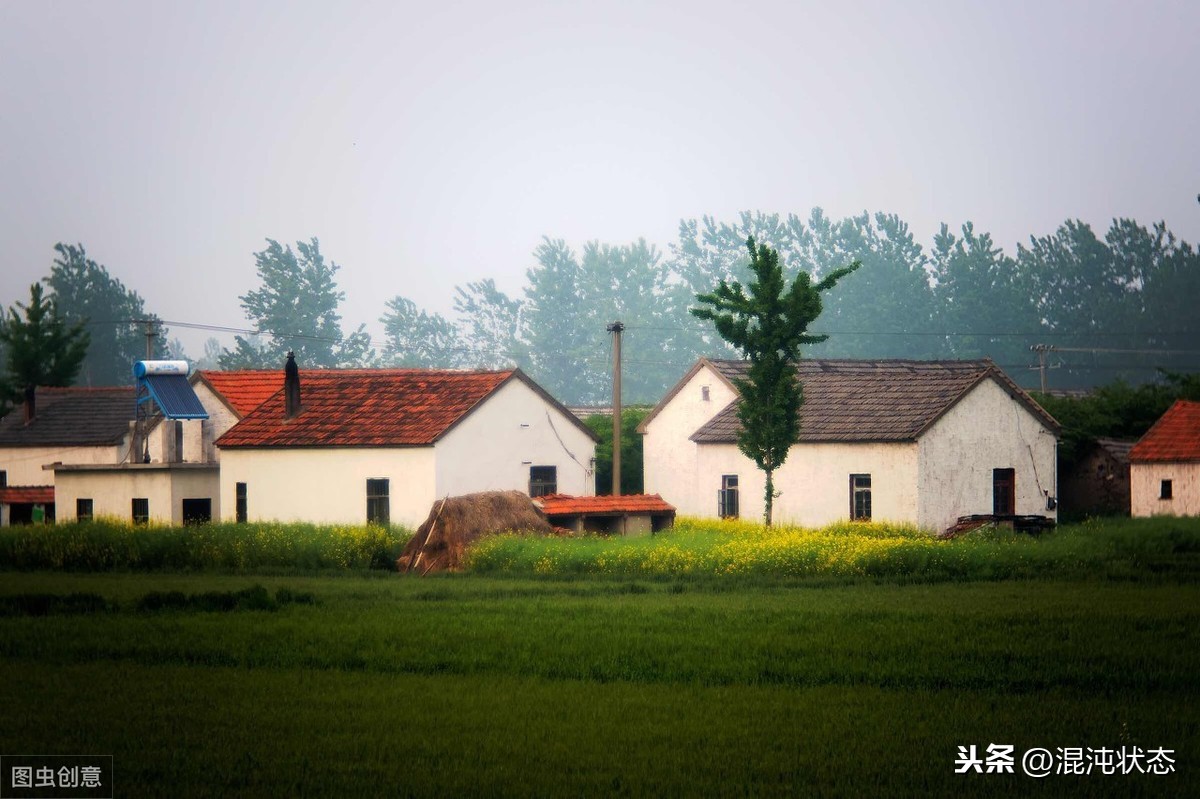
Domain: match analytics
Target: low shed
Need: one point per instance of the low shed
(633, 514)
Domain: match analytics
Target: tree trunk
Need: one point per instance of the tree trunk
(770, 496)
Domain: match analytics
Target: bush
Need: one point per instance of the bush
(106, 545)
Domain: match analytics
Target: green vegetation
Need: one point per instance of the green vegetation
(631, 450)
(365, 682)
(111, 545)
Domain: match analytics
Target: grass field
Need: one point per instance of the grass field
(364, 683)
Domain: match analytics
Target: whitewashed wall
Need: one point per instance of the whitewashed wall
(327, 485)
(112, 491)
(493, 448)
(669, 458)
(24, 464)
(815, 482)
(985, 430)
(1146, 485)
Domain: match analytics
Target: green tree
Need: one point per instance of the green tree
(768, 326)
(631, 450)
(42, 348)
(85, 292)
(488, 324)
(296, 306)
(416, 338)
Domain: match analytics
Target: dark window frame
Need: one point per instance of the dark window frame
(1004, 492)
(82, 515)
(379, 502)
(1166, 489)
(543, 480)
(193, 517)
(140, 515)
(729, 504)
(240, 505)
(860, 497)
(3, 478)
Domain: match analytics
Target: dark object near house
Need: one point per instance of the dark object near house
(1020, 524)
(1098, 484)
(629, 514)
(455, 522)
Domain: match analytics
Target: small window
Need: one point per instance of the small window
(704, 395)
(83, 510)
(860, 497)
(1166, 490)
(141, 510)
(727, 497)
(378, 502)
(239, 502)
(3, 479)
(543, 480)
(197, 511)
(1004, 492)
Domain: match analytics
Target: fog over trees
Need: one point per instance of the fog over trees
(1114, 304)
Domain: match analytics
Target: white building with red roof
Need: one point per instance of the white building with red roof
(1164, 465)
(380, 445)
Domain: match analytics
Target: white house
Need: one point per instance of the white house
(355, 446)
(1164, 465)
(923, 442)
(179, 482)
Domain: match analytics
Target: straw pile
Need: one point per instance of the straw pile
(455, 522)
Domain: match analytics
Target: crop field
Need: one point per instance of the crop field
(255, 678)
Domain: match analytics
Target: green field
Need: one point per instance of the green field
(363, 682)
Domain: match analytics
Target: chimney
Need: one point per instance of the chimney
(30, 404)
(291, 387)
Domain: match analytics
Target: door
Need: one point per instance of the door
(1004, 492)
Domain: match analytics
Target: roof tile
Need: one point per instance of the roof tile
(564, 504)
(80, 417)
(1174, 437)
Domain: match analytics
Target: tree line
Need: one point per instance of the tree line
(1113, 305)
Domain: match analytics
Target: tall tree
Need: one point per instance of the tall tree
(418, 338)
(296, 306)
(43, 348)
(85, 292)
(768, 325)
(488, 323)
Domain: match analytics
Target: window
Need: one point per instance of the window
(83, 510)
(727, 497)
(1166, 490)
(543, 480)
(704, 395)
(860, 497)
(378, 503)
(3, 478)
(141, 510)
(197, 511)
(1004, 492)
(239, 502)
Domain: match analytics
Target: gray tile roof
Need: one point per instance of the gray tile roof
(71, 417)
(864, 401)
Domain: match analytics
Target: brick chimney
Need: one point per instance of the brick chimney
(291, 387)
(30, 404)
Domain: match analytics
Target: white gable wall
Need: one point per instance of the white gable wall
(1145, 489)
(814, 482)
(24, 464)
(987, 429)
(326, 485)
(493, 448)
(670, 458)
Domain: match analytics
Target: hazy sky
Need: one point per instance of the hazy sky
(432, 144)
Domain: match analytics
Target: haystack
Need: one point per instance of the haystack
(454, 522)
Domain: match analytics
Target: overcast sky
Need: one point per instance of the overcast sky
(431, 144)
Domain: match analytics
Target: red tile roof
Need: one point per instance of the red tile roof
(563, 504)
(367, 408)
(245, 389)
(33, 495)
(1174, 437)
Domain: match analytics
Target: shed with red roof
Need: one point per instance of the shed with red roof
(630, 514)
(1164, 465)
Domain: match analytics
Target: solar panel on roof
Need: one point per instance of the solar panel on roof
(175, 397)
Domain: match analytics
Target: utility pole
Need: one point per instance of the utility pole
(151, 334)
(1041, 350)
(615, 328)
